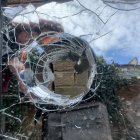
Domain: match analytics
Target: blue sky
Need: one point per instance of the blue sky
(120, 48)
(114, 55)
(121, 44)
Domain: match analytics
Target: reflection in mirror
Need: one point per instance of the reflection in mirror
(49, 66)
(60, 66)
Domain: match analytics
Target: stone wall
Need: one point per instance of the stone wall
(67, 81)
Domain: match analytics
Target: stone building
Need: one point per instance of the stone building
(130, 70)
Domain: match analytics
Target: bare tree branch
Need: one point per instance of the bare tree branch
(101, 36)
(63, 16)
(109, 4)
(91, 11)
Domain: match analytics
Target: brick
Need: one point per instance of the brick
(69, 90)
(66, 65)
(64, 78)
(81, 79)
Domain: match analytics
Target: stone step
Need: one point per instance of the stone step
(85, 122)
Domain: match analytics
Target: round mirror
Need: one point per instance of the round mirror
(64, 67)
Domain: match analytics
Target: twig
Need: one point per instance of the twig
(100, 36)
(121, 9)
(90, 11)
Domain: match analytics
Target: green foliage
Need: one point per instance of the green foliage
(9, 99)
(13, 86)
(33, 57)
(101, 61)
(110, 83)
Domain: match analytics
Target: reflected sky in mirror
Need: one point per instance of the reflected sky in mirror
(112, 33)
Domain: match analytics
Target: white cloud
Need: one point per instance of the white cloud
(124, 26)
(125, 35)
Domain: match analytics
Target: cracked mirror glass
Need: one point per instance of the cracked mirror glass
(70, 70)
